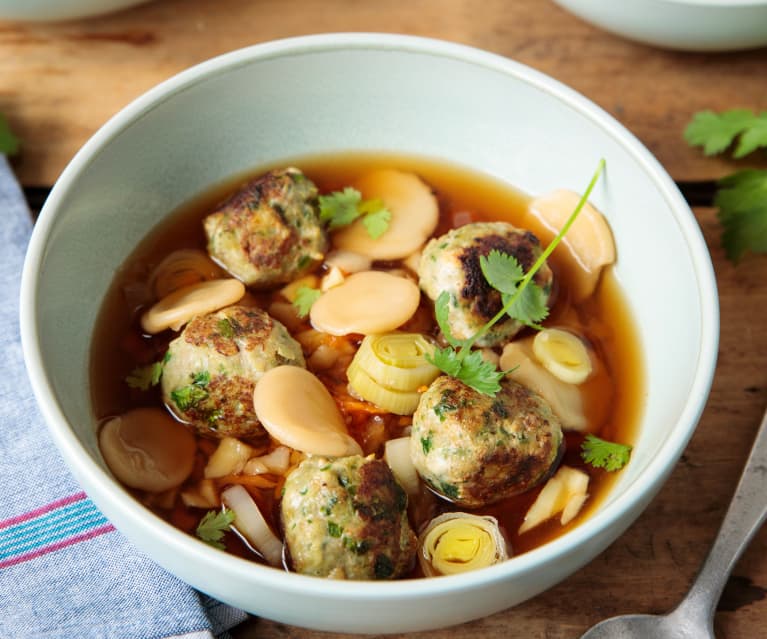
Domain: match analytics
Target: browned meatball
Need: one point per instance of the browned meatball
(214, 365)
(347, 518)
(474, 449)
(450, 263)
(269, 231)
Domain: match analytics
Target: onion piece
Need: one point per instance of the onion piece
(229, 458)
(250, 523)
(565, 493)
(588, 245)
(563, 354)
(458, 542)
(564, 399)
(276, 462)
(397, 456)
(397, 360)
(395, 401)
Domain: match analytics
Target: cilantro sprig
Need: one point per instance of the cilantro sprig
(341, 208)
(521, 299)
(213, 525)
(742, 196)
(603, 454)
(305, 299)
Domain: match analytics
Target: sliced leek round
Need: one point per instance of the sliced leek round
(563, 354)
(395, 401)
(458, 542)
(397, 360)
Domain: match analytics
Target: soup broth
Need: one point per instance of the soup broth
(612, 396)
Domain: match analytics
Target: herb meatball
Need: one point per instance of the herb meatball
(475, 449)
(450, 263)
(346, 518)
(269, 231)
(212, 368)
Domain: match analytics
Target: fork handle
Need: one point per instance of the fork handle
(746, 513)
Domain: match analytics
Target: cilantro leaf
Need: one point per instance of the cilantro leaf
(603, 454)
(377, 223)
(213, 525)
(530, 307)
(480, 374)
(144, 377)
(742, 202)
(189, 396)
(715, 132)
(340, 207)
(441, 313)
(446, 360)
(305, 298)
(502, 271)
(9, 143)
(472, 369)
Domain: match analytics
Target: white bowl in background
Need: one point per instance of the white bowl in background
(53, 10)
(365, 92)
(687, 25)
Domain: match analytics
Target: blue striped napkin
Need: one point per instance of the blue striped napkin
(64, 570)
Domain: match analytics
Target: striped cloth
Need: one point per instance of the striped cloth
(65, 572)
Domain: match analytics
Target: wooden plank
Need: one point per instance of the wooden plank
(60, 82)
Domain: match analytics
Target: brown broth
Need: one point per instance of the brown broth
(613, 396)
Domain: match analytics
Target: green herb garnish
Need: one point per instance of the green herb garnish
(742, 196)
(187, 397)
(213, 525)
(603, 454)
(9, 143)
(341, 208)
(522, 300)
(716, 132)
(742, 202)
(305, 298)
(225, 328)
(144, 377)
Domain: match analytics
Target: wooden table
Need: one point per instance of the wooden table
(59, 83)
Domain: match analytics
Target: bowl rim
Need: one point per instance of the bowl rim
(100, 485)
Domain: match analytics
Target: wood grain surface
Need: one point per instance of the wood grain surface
(60, 82)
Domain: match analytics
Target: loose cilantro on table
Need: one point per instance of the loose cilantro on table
(742, 196)
(9, 143)
(716, 132)
(603, 454)
(213, 525)
(522, 300)
(305, 298)
(341, 208)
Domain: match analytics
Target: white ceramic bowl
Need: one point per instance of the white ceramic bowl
(51, 10)
(365, 92)
(688, 25)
